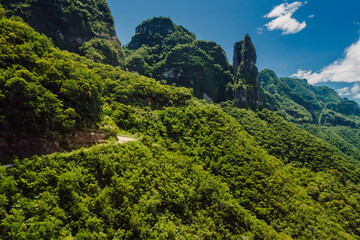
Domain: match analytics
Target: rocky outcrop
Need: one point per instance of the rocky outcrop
(164, 50)
(151, 32)
(160, 25)
(70, 24)
(175, 73)
(25, 145)
(247, 90)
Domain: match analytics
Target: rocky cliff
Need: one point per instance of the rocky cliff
(247, 90)
(70, 24)
(152, 32)
(164, 50)
(25, 145)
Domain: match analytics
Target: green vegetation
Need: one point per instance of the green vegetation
(197, 170)
(331, 118)
(318, 110)
(72, 24)
(343, 138)
(246, 87)
(299, 102)
(43, 89)
(103, 51)
(196, 173)
(163, 50)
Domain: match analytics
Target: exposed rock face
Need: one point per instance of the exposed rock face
(174, 72)
(168, 51)
(151, 31)
(70, 24)
(161, 26)
(247, 90)
(26, 145)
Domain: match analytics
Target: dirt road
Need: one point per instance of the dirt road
(124, 139)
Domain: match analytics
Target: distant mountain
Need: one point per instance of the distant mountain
(318, 110)
(299, 102)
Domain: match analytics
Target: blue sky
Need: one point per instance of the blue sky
(313, 39)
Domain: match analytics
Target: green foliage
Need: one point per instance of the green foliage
(85, 27)
(345, 107)
(290, 143)
(187, 62)
(331, 118)
(299, 102)
(345, 139)
(103, 51)
(163, 50)
(132, 191)
(68, 23)
(43, 89)
(2, 12)
(308, 106)
(198, 171)
(160, 31)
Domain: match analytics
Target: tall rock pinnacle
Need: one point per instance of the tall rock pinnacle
(247, 91)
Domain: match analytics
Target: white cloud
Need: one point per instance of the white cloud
(259, 30)
(357, 96)
(346, 69)
(283, 18)
(311, 16)
(355, 89)
(344, 91)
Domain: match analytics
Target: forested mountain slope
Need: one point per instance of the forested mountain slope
(85, 27)
(48, 90)
(318, 110)
(196, 171)
(299, 102)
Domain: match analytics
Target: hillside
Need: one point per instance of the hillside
(45, 91)
(299, 102)
(197, 170)
(318, 110)
(85, 27)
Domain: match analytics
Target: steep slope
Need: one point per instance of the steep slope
(164, 50)
(246, 87)
(318, 110)
(85, 27)
(195, 172)
(47, 91)
(279, 98)
(343, 138)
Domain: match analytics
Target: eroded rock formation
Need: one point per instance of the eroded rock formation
(247, 90)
